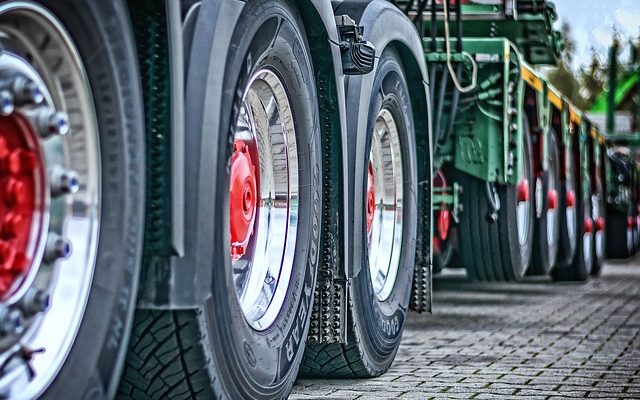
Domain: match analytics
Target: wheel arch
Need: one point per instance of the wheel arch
(385, 26)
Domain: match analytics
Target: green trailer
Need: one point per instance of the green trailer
(518, 182)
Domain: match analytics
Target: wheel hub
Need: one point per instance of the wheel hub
(522, 191)
(552, 199)
(599, 224)
(443, 219)
(22, 206)
(571, 199)
(242, 198)
(371, 199)
(588, 226)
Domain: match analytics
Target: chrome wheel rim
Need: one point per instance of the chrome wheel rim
(523, 206)
(570, 202)
(596, 201)
(385, 212)
(49, 303)
(263, 251)
(587, 237)
(553, 226)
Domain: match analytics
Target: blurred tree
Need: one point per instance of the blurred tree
(562, 77)
(592, 79)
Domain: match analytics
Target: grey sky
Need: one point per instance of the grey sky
(593, 21)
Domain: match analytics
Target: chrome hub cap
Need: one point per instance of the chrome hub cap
(50, 207)
(263, 199)
(385, 184)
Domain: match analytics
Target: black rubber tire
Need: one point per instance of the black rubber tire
(102, 34)
(492, 251)
(568, 245)
(598, 250)
(443, 258)
(375, 327)
(545, 253)
(212, 352)
(620, 243)
(580, 267)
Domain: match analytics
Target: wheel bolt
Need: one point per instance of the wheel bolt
(57, 248)
(35, 301)
(26, 92)
(50, 122)
(6, 103)
(63, 181)
(11, 322)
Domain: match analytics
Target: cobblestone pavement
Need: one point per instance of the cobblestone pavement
(531, 340)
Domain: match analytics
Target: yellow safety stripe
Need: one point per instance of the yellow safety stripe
(555, 99)
(531, 78)
(574, 116)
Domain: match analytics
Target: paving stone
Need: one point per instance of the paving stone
(531, 340)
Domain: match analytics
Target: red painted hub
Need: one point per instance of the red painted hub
(243, 198)
(571, 199)
(443, 219)
(522, 191)
(600, 224)
(371, 198)
(552, 199)
(588, 225)
(21, 177)
(437, 248)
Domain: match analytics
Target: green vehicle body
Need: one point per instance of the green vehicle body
(507, 42)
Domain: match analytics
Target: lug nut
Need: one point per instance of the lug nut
(26, 92)
(11, 321)
(57, 248)
(50, 122)
(63, 181)
(6, 103)
(35, 301)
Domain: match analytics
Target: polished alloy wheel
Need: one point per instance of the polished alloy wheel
(263, 199)
(50, 205)
(552, 214)
(598, 224)
(570, 201)
(523, 199)
(587, 235)
(385, 192)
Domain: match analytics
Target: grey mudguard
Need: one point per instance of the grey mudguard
(186, 282)
(384, 25)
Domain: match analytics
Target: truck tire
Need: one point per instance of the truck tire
(547, 229)
(72, 168)
(620, 233)
(379, 295)
(580, 268)
(568, 215)
(500, 250)
(247, 339)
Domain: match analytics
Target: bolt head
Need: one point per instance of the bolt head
(57, 248)
(6, 103)
(26, 92)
